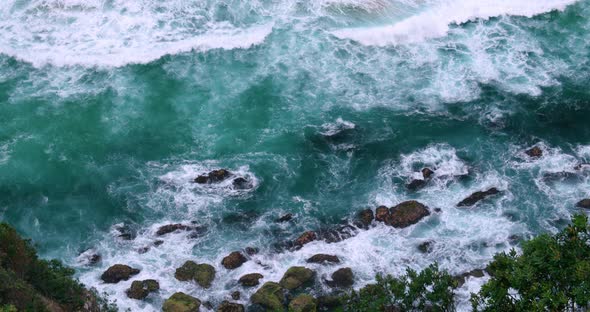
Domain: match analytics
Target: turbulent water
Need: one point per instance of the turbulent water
(110, 108)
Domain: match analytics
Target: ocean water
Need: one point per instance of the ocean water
(110, 108)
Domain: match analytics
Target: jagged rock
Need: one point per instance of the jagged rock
(181, 302)
(169, 228)
(250, 251)
(94, 259)
(427, 173)
(337, 235)
(382, 214)
(296, 276)
(416, 184)
(227, 306)
(203, 274)
(366, 217)
(271, 296)
(322, 258)
(534, 152)
(141, 289)
(158, 242)
(477, 196)
(233, 260)
(460, 279)
(286, 218)
(250, 280)
(305, 238)
(214, 176)
(303, 303)
(236, 295)
(125, 232)
(584, 203)
(117, 273)
(407, 213)
(342, 278)
(426, 247)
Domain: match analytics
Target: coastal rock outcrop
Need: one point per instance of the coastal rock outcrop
(233, 260)
(270, 296)
(227, 306)
(306, 238)
(402, 215)
(203, 274)
(141, 289)
(296, 276)
(214, 176)
(534, 152)
(303, 303)
(323, 259)
(477, 196)
(342, 278)
(365, 218)
(249, 280)
(181, 302)
(584, 203)
(117, 273)
(169, 228)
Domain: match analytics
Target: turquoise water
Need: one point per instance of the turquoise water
(109, 109)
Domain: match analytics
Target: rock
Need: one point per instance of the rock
(330, 302)
(241, 183)
(117, 273)
(181, 302)
(303, 303)
(322, 258)
(250, 280)
(208, 305)
(437, 210)
(250, 251)
(227, 306)
(584, 203)
(143, 250)
(477, 196)
(582, 166)
(407, 213)
(94, 259)
(125, 232)
(460, 279)
(416, 184)
(342, 278)
(158, 242)
(338, 234)
(214, 176)
(203, 274)
(169, 228)
(233, 260)
(534, 152)
(366, 217)
(426, 247)
(286, 218)
(236, 295)
(305, 238)
(382, 214)
(427, 173)
(296, 276)
(270, 296)
(141, 289)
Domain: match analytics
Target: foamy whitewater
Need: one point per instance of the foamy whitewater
(109, 109)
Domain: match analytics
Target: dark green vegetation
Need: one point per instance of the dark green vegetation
(28, 283)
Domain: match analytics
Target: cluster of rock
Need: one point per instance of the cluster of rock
(220, 175)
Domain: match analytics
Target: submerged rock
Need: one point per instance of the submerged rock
(125, 232)
(286, 218)
(227, 306)
(296, 276)
(250, 251)
(303, 303)
(241, 183)
(534, 152)
(249, 280)
(416, 184)
(426, 247)
(203, 274)
(584, 203)
(407, 213)
(117, 273)
(477, 196)
(460, 279)
(141, 289)
(342, 278)
(169, 228)
(582, 166)
(427, 173)
(233, 260)
(181, 302)
(305, 238)
(214, 176)
(236, 295)
(322, 258)
(271, 296)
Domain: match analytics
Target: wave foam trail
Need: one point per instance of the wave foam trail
(434, 21)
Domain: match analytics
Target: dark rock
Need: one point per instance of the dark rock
(141, 289)
(416, 184)
(337, 235)
(582, 166)
(460, 279)
(437, 210)
(181, 302)
(143, 250)
(322, 258)
(241, 183)
(342, 278)
(366, 217)
(285, 218)
(233, 260)
(227, 306)
(94, 259)
(407, 213)
(477, 196)
(250, 251)
(208, 305)
(169, 228)
(303, 303)
(305, 238)
(125, 232)
(426, 247)
(236, 295)
(382, 214)
(296, 276)
(203, 274)
(427, 173)
(534, 152)
(158, 242)
(250, 280)
(584, 203)
(214, 176)
(271, 296)
(117, 273)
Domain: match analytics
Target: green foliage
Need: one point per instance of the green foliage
(8, 308)
(431, 289)
(551, 274)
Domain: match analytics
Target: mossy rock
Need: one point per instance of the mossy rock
(227, 306)
(303, 303)
(203, 274)
(181, 302)
(296, 277)
(141, 289)
(270, 296)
